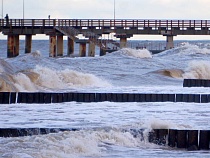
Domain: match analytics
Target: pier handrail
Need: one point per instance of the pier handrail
(125, 23)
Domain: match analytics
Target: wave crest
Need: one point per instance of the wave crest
(67, 79)
(137, 53)
(197, 70)
(175, 73)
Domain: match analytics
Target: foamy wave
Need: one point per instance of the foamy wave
(175, 73)
(68, 144)
(155, 123)
(24, 83)
(187, 48)
(138, 53)
(43, 78)
(66, 79)
(197, 70)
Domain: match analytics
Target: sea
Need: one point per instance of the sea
(104, 128)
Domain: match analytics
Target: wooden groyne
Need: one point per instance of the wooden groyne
(47, 98)
(196, 83)
(185, 139)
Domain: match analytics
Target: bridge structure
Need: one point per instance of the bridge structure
(92, 30)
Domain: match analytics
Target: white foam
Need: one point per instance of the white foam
(198, 69)
(50, 78)
(193, 49)
(138, 53)
(23, 83)
(67, 144)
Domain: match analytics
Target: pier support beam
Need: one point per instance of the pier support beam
(70, 47)
(12, 46)
(52, 49)
(60, 45)
(169, 42)
(91, 49)
(17, 45)
(28, 43)
(123, 39)
(123, 42)
(82, 49)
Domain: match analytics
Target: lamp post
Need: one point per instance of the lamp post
(2, 9)
(23, 9)
(114, 9)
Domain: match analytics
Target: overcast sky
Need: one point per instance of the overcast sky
(138, 9)
(104, 9)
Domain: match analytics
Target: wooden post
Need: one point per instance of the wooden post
(181, 138)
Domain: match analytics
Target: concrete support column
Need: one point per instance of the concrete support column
(52, 49)
(169, 42)
(82, 49)
(123, 42)
(28, 43)
(91, 49)
(70, 46)
(16, 45)
(12, 46)
(60, 45)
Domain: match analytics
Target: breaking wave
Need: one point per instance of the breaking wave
(197, 70)
(43, 78)
(137, 53)
(67, 79)
(68, 144)
(175, 73)
(185, 49)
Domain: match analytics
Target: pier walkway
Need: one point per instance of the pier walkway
(92, 30)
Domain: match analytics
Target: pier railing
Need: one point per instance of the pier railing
(125, 23)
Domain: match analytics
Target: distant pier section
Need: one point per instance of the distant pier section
(92, 30)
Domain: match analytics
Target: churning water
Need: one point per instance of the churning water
(104, 128)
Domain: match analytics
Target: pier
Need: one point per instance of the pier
(92, 30)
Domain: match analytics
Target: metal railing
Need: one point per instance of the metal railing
(98, 23)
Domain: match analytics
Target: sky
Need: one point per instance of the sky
(104, 9)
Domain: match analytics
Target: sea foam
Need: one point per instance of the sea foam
(137, 53)
(197, 69)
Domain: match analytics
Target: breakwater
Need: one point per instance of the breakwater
(47, 98)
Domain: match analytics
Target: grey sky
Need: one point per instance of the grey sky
(138, 9)
(104, 9)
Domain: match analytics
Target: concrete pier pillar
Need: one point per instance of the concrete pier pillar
(28, 43)
(12, 46)
(169, 42)
(91, 49)
(70, 47)
(52, 48)
(82, 49)
(60, 45)
(16, 45)
(123, 42)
